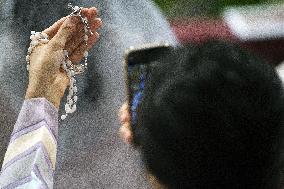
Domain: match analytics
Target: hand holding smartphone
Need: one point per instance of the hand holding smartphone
(138, 63)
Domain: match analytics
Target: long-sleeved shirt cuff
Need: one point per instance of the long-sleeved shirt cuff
(31, 155)
(36, 110)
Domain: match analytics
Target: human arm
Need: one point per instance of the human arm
(31, 155)
(46, 78)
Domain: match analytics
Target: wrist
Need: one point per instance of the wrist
(51, 97)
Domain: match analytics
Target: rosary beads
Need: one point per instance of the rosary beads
(36, 38)
(71, 69)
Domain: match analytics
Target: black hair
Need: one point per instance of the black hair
(211, 117)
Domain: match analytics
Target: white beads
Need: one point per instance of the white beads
(70, 106)
(70, 69)
(63, 117)
(76, 8)
(72, 73)
(69, 63)
(64, 66)
(78, 69)
(30, 50)
(72, 81)
(68, 97)
(75, 98)
(67, 108)
(44, 41)
(38, 35)
(45, 35)
(28, 58)
(74, 108)
(75, 89)
(36, 39)
(32, 37)
(34, 43)
(70, 102)
(65, 52)
(86, 38)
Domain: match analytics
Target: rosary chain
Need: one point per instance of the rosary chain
(71, 69)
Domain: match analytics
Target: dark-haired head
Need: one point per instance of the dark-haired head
(211, 118)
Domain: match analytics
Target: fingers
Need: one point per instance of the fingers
(126, 133)
(125, 118)
(124, 107)
(79, 52)
(65, 33)
(52, 30)
(72, 45)
(90, 13)
(69, 28)
(96, 24)
(124, 114)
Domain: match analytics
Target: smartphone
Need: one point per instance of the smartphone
(138, 63)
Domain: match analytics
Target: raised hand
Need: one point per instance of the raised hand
(46, 78)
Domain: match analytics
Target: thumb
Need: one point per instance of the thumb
(65, 33)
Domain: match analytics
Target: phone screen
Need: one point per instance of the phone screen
(138, 65)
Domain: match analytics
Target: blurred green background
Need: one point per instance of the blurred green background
(203, 8)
